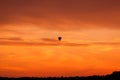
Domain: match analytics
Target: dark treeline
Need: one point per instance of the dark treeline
(114, 76)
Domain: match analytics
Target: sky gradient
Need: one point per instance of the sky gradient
(29, 31)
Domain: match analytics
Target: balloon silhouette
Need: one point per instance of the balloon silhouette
(59, 38)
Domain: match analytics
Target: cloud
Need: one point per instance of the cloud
(41, 44)
(57, 43)
(12, 39)
(49, 40)
(61, 14)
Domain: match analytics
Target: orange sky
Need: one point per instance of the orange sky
(29, 31)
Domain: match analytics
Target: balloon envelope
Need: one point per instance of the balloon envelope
(59, 38)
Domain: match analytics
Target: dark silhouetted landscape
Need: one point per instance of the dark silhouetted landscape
(114, 76)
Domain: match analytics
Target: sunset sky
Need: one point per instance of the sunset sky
(29, 31)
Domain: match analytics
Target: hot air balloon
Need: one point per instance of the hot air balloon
(59, 38)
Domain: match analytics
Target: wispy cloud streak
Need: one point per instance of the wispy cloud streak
(12, 39)
(57, 43)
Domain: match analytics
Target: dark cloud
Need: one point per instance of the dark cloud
(49, 40)
(12, 39)
(61, 14)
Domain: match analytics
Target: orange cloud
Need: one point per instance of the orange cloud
(12, 39)
(56, 61)
(61, 15)
(52, 42)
